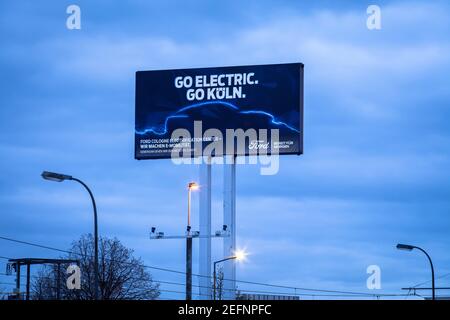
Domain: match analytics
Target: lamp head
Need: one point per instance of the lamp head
(193, 186)
(406, 247)
(52, 176)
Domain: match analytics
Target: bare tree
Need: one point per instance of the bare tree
(121, 275)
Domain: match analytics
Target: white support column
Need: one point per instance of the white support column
(205, 282)
(229, 218)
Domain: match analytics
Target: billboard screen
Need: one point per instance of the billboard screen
(185, 111)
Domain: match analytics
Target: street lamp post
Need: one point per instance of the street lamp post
(239, 255)
(408, 247)
(61, 177)
(191, 186)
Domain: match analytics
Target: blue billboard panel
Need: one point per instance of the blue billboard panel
(216, 105)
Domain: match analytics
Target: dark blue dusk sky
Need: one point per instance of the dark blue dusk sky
(376, 163)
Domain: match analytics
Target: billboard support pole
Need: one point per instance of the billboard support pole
(229, 219)
(205, 229)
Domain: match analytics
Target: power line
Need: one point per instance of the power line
(4, 258)
(182, 272)
(425, 282)
(259, 291)
(323, 295)
(267, 292)
(351, 293)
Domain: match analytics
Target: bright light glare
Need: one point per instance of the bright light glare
(240, 255)
(193, 186)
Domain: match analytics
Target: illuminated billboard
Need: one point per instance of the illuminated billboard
(183, 112)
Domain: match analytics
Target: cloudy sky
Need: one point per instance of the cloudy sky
(375, 169)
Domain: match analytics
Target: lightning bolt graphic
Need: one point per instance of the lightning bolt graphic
(162, 130)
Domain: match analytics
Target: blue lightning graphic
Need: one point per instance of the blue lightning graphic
(272, 119)
(164, 129)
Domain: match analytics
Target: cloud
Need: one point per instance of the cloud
(356, 52)
(374, 170)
